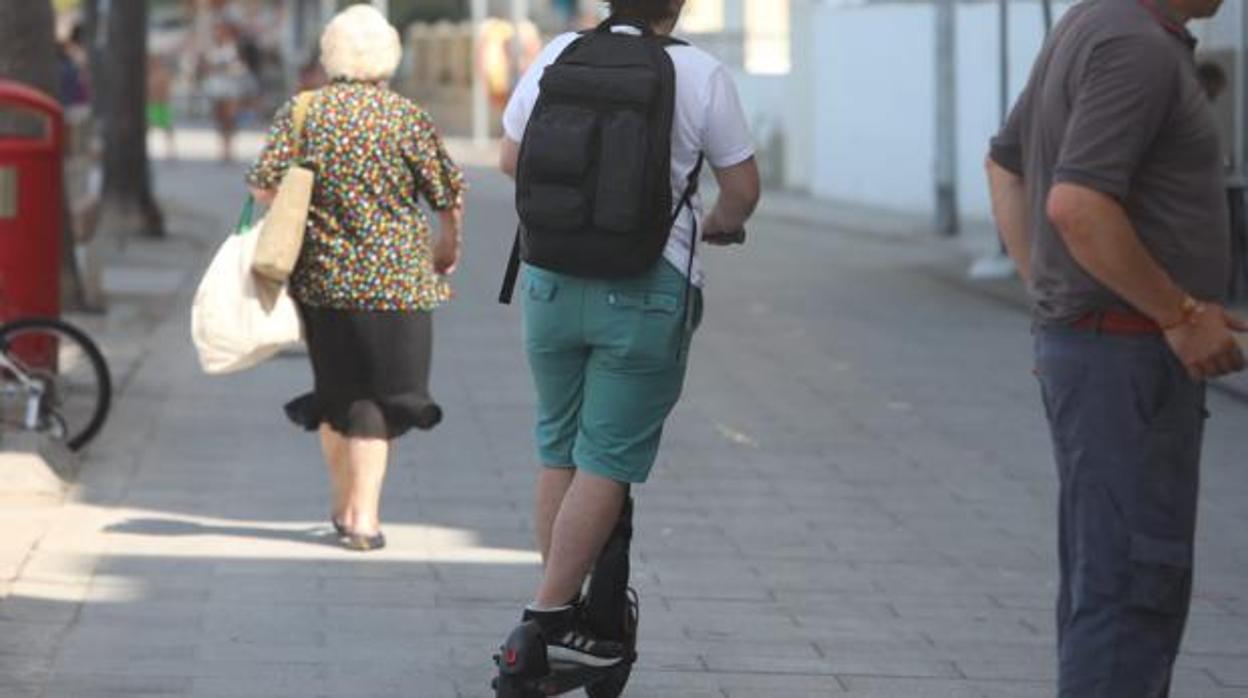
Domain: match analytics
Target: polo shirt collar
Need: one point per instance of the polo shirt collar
(1170, 24)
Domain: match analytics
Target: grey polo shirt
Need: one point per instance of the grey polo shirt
(1113, 103)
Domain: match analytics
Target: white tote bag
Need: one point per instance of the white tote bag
(238, 321)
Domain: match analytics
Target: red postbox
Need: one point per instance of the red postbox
(31, 141)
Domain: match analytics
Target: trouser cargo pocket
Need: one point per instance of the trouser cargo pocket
(1160, 575)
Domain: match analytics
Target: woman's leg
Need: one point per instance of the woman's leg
(224, 111)
(334, 446)
(367, 459)
(552, 485)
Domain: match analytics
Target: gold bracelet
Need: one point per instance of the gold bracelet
(1190, 309)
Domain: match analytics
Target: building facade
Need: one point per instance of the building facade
(842, 94)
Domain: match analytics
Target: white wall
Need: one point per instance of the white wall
(873, 97)
(979, 87)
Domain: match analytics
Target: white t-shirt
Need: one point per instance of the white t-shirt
(708, 119)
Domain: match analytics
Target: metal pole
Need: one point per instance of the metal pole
(383, 6)
(519, 15)
(1046, 6)
(946, 118)
(1004, 16)
(480, 100)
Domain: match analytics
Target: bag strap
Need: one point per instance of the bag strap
(512, 273)
(691, 188)
(245, 218)
(686, 200)
(299, 115)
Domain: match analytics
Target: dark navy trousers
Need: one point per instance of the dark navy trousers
(1127, 425)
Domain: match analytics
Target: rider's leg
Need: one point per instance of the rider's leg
(585, 520)
(552, 485)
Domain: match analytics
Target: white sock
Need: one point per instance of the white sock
(553, 609)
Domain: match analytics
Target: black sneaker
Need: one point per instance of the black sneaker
(569, 646)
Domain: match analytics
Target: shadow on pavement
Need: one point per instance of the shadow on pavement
(174, 528)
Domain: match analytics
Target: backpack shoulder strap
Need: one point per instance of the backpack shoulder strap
(691, 188)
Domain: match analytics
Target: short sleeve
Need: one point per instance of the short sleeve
(439, 179)
(1006, 148)
(278, 151)
(1121, 102)
(726, 140)
(524, 97)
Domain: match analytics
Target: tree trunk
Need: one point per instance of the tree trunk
(28, 55)
(128, 206)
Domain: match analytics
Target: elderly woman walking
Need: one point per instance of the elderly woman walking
(370, 272)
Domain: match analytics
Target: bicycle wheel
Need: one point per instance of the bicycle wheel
(77, 387)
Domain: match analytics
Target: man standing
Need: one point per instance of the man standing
(1107, 187)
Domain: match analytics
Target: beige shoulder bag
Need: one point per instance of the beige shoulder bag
(281, 235)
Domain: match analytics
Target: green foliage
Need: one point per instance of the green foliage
(403, 12)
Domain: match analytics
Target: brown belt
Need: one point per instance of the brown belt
(1117, 322)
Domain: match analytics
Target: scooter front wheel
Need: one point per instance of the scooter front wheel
(515, 687)
(611, 686)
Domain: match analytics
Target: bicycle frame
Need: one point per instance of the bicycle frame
(32, 387)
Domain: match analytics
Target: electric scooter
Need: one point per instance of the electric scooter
(609, 609)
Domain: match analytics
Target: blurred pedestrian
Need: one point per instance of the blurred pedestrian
(160, 101)
(312, 75)
(224, 83)
(1108, 188)
(371, 272)
(608, 348)
(72, 74)
(1212, 79)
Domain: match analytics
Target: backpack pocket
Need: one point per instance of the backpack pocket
(619, 85)
(618, 206)
(561, 144)
(554, 207)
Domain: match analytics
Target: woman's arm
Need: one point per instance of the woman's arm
(449, 247)
(264, 197)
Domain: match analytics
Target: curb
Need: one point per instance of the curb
(33, 465)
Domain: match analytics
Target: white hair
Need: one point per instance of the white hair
(360, 44)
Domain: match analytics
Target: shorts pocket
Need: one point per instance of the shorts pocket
(647, 326)
(544, 327)
(540, 289)
(1161, 575)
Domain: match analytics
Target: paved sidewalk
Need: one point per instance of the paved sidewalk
(856, 499)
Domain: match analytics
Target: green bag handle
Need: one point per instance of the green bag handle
(245, 218)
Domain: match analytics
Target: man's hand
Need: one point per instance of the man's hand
(1206, 345)
(715, 232)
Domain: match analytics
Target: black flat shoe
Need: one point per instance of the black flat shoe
(362, 543)
(339, 527)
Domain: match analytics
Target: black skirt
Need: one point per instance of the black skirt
(371, 371)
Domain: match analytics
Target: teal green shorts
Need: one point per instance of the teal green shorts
(608, 359)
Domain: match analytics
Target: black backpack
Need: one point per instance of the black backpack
(593, 181)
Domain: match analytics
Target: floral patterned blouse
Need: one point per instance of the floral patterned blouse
(368, 244)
